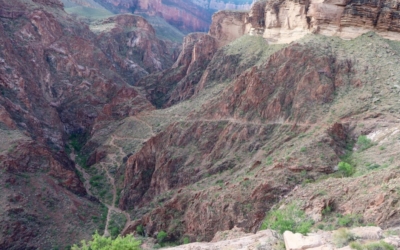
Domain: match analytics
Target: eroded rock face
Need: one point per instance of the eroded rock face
(179, 82)
(228, 26)
(55, 81)
(224, 4)
(131, 43)
(287, 21)
(236, 239)
(183, 14)
(260, 102)
(188, 15)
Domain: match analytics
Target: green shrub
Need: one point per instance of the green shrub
(140, 230)
(349, 220)
(105, 243)
(364, 143)
(346, 169)
(161, 236)
(342, 237)
(290, 218)
(381, 245)
(186, 240)
(327, 210)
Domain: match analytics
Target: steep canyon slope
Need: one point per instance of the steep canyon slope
(206, 140)
(56, 78)
(257, 120)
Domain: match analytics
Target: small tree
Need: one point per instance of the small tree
(161, 236)
(346, 169)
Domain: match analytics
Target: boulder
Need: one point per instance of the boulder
(296, 241)
(367, 233)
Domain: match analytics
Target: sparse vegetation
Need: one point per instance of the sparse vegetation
(364, 143)
(380, 245)
(106, 243)
(349, 220)
(342, 237)
(117, 223)
(291, 218)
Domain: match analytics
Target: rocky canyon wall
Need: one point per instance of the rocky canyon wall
(287, 21)
(224, 4)
(59, 79)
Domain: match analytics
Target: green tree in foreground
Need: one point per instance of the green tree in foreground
(106, 243)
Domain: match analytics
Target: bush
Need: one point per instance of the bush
(342, 237)
(349, 220)
(186, 240)
(140, 230)
(289, 219)
(364, 143)
(346, 169)
(161, 236)
(381, 245)
(105, 243)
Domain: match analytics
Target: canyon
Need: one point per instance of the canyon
(187, 16)
(105, 126)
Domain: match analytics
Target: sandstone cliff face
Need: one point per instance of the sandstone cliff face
(224, 4)
(287, 21)
(228, 26)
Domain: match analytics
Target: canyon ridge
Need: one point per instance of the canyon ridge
(109, 124)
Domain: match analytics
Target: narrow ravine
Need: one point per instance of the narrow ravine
(86, 183)
(86, 176)
(113, 157)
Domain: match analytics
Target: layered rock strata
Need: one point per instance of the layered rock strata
(59, 79)
(287, 21)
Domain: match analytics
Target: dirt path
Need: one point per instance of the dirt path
(148, 125)
(114, 161)
(111, 208)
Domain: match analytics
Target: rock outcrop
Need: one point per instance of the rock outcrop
(228, 26)
(287, 21)
(179, 82)
(269, 239)
(131, 43)
(224, 4)
(236, 239)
